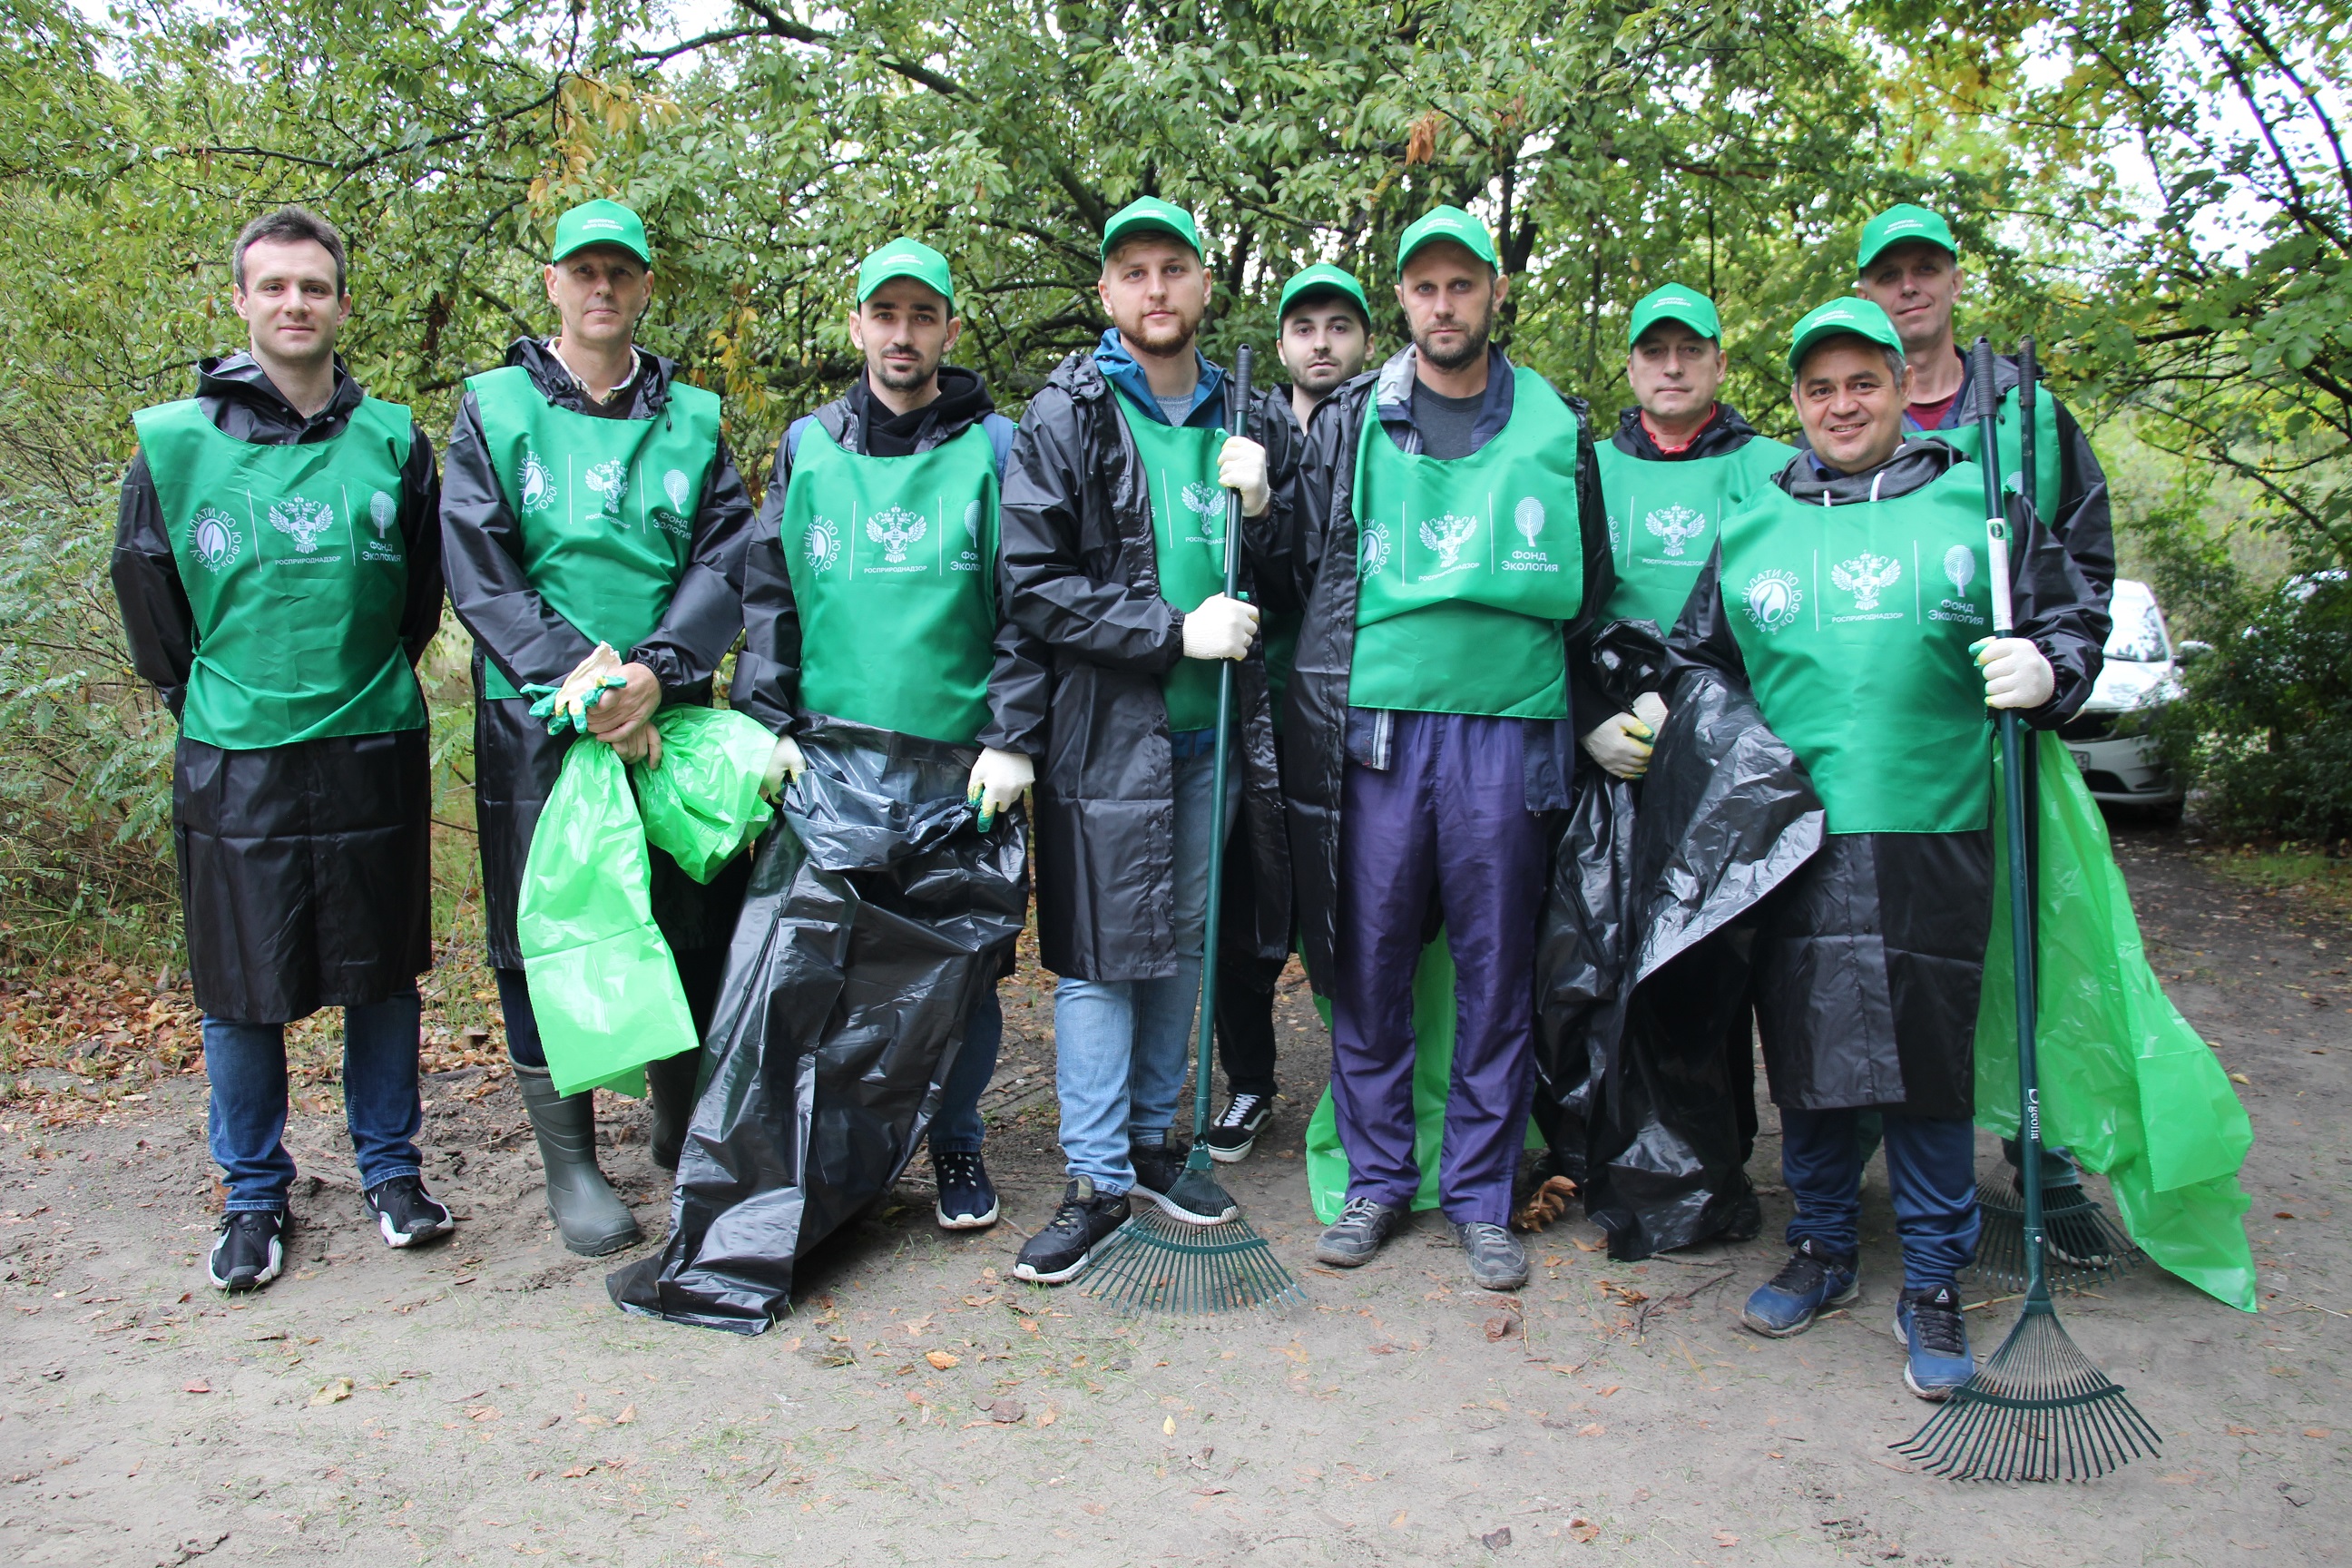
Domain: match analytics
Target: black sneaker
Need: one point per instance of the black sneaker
(250, 1251)
(1234, 1131)
(1060, 1252)
(406, 1214)
(1158, 1167)
(966, 1197)
(1357, 1234)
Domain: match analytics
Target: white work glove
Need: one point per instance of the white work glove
(585, 684)
(1651, 709)
(1620, 743)
(998, 780)
(1240, 466)
(784, 762)
(2015, 673)
(1220, 628)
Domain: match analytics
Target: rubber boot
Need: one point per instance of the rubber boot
(671, 1083)
(588, 1212)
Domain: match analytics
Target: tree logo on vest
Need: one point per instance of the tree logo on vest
(1675, 527)
(1865, 576)
(1772, 599)
(610, 478)
(1959, 569)
(1208, 503)
(894, 529)
(671, 520)
(1528, 517)
(382, 512)
(1371, 548)
(216, 538)
(969, 560)
(302, 522)
(1449, 536)
(823, 543)
(538, 484)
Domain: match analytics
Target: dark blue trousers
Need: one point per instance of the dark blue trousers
(1930, 1172)
(1448, 817)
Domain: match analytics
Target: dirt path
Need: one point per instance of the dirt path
(483, 1402)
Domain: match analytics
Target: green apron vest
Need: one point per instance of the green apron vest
(2047, 458)
(1188, 544)
(1855, 621)
(892, 562)
(295, 574)
(1663, 519)
(1468, 565)
(605, 507)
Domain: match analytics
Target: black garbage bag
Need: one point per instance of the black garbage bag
(1726, 814)
(877, 915)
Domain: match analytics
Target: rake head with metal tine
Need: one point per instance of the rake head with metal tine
(2037, 1410)
(1155, 1264)
(2084, 1247)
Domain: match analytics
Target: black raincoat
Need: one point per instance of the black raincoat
(1076, 526)
(1323, 565)
(1724, 434)
(516, 761)
(305, 870)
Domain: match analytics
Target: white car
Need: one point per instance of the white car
(2109, 737)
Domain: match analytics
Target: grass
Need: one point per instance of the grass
(2311, 877)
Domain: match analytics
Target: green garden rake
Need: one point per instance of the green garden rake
(2038, 1409)
(1155, 1263)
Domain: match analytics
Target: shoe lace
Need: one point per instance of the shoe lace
(1938, 1328)
(1798, 1275)
(1238, 1110)
(1360, 1212)
(956, 1168)
(1070, 1219)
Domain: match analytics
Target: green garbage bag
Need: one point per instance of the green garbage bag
(602, 984)
(1432, 1081)
(2127, 1086)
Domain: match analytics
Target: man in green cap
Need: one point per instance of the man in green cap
(1114, 522)
(278, 564)
(1324, 337)
(1678, 461)
(1852, 598)
(1454, 558)
(897, 619)
(594, 525)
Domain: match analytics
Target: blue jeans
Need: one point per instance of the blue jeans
(246, 1065)
(957, 1129)
(1119, 1045)
(1930, 1172)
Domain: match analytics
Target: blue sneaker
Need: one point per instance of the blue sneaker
(1812, 1280)
(1935, 1338)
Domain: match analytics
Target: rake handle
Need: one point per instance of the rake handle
(2012, 803)
(1237, 413)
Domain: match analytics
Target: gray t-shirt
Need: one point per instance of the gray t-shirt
(1445, 423)
(1175, 410)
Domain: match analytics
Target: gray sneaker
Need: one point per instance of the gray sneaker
(1498, 1261)
(1357, 1234)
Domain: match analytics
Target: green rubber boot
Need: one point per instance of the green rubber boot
(670, 1083)
(590, 1216)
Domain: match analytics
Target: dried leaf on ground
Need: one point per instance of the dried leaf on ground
(1544, 1204)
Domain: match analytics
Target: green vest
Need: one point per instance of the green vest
(893, 569)
(1854, 621)
(296, 576)
(1468, 565)
(605, 507)
(1188, 543)
(2047, 459)
(1663, 518)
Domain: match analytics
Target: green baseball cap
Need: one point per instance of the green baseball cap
(1840, 318)
(905, 257)
(1324, 278)
(1150, 215)
(601, 223)
(1673, 303)
(1899, 224)
(1448, 223)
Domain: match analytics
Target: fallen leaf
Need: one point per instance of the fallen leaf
(1725, 1537)
(1397, 1522)
(1501, 1325)
(198, 1385)
(1495, 1540)
(1544, 1204)
(940, 1360)
(1607, 1392)
(1590, 1429)
(1554, 1261)
(1046, 1417)
(1381, 1350)
(1584, 1532)
(483, 1413)
(628, 1414)
(577, 1471)
(2315, 1432)
(546, 1421)
(2239, 1077)
(1168, 1427)
(1209, 1491)
(334, 1392)
(2282, 1214)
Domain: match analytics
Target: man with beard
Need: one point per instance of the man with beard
(897, 621)
(1325, 333)
(592, 505)
(1455, 558)
(1114, 518)
(278, 565)
(1825, 596)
